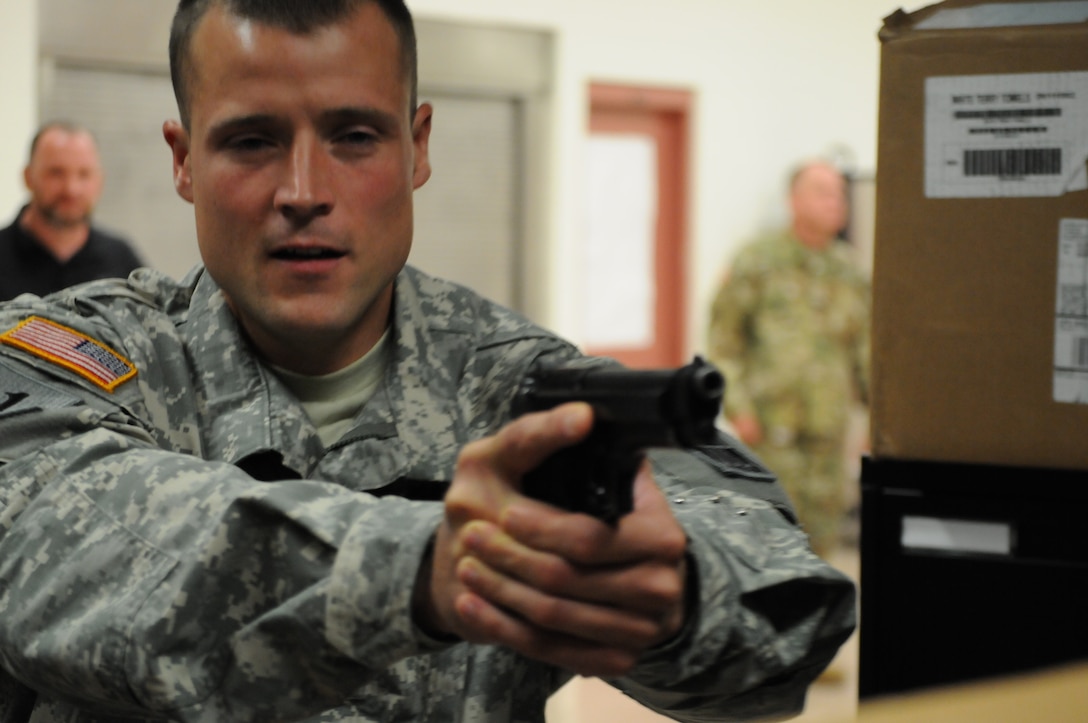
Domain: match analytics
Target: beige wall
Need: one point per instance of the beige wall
(18, 79)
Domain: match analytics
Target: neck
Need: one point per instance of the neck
(63, 241)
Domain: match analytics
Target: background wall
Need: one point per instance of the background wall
(18, 62)
(774, 81)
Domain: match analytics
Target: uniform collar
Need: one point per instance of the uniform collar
(416, 407)
(415, 410)
(249, 410)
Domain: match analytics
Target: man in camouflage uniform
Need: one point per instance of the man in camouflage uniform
(286, 488)
(790, 329)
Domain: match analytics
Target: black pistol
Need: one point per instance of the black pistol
(633, 410)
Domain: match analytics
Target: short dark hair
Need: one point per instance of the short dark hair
(296, 16)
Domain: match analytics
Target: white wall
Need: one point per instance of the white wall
(774, 81)
(18, 79)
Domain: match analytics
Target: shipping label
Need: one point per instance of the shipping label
(992, 136)
(1071, 317)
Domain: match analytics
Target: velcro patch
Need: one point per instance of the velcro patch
(72, 350)
(20, 394)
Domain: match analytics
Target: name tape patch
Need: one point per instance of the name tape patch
(72, 350)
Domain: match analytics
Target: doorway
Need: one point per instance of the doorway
(637, 246)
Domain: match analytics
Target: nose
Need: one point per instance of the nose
(74, 184)
(305, 190)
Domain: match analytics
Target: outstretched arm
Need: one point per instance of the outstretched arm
(705, 603)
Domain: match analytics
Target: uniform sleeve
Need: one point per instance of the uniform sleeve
(729, 336)
(135, 581)
(767, 616)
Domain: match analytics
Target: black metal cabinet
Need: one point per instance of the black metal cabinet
(969, 571)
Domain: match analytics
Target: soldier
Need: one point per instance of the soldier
(286, 487)
(790, 329)
(52, 244)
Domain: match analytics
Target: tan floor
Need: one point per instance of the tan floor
(587, 700)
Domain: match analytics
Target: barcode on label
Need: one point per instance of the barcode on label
(1013, 162)
(1072, 300)
(1009, 114)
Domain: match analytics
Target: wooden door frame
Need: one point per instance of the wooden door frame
(673, 108)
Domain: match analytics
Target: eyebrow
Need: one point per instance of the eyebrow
(367, 115)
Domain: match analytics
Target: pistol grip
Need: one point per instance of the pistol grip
(586, 478)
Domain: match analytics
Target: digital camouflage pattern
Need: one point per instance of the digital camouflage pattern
(185, 548)
(790, 329)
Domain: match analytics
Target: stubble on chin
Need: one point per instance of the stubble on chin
(62, 221)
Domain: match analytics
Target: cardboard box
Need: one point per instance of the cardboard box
(980, 336)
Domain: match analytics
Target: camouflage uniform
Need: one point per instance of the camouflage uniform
(790, 329)
(185, 548)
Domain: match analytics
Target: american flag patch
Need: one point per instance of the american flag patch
(72, 350)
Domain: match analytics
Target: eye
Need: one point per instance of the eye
(357, 138)
(248, 143)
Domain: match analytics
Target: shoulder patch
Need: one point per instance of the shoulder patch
(68, 348)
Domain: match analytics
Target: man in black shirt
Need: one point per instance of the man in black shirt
(51, 244)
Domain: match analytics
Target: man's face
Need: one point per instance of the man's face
(64, 177)
(819, 200)
(300, 161)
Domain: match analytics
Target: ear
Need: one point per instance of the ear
(26, 177)
(178, 139)
(421, 135)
